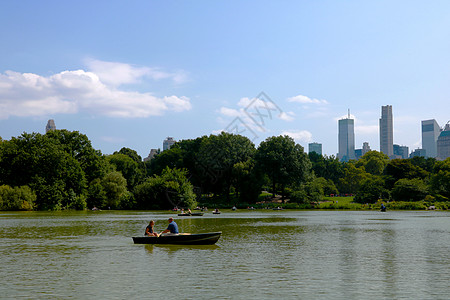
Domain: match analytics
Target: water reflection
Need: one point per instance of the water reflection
(261, 254)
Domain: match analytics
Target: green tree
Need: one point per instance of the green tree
(402, 168)
(127, 166)
(80, 148)
(440, 180)
(17, 198)
(373, 162)
(115, 188)
(353, 178)
(217, 156)
(409, 190)
(328, 167)
(45, 166)
(284, 162)
(247, 181)
(131, 154)
(165, 191)
(371, 190)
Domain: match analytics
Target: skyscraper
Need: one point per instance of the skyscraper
(386, 131)
(430, 134)
(443, 143)
(50, 125)
(401, 151)
(346, 139)
(168, 143)
(315, 147)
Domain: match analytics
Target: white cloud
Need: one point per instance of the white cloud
(299, 135)
(306, 100)
(27, 94)
(229, 112)
(289, 116)
(116, 73)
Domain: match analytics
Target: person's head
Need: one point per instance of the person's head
(151, 223)
(170, 220)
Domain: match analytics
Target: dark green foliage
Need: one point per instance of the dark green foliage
(373, 162)
(409, 190)
(127, 166)
(371, 190)
(17, 198)
(402, 168)
(169, 189)
(61, 170)
(284, 162)
(328, 167)
(440, 180)
(353, 177)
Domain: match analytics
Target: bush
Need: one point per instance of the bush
(409, 190)
(17, 198)
(406, 205)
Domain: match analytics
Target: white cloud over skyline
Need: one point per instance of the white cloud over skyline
(94, 92)
(299, 135)
(306, 100)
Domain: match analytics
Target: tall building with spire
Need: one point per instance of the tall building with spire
(430, 135)
(346, 139)
(50, 125)
(387, 131)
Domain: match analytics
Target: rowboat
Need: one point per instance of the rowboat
(195, 214)
(209, 238)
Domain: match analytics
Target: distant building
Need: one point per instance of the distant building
(168, 143)
(430, 135)
(315, 147)
(50, 125)
(386, 131)
(152, 154)
(401, 151)
(443, 143)
(365, 148)
(418, 152)
(361, 152)
(346, 139)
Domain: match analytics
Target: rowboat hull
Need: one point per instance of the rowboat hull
(195, 214)
(180, 239)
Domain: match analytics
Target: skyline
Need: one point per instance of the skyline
(130, 75)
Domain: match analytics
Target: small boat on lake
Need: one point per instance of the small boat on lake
(209, 238)
(194, 214)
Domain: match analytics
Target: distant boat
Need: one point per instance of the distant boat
(216, 212)
(195, 214)
(209, 238)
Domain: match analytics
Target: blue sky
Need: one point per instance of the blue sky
(130, 73)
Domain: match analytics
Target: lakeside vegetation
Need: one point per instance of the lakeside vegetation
(61, 170)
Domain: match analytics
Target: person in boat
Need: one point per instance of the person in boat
(149, 229)
(172, 228)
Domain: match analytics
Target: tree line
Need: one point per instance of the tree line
(61, 170)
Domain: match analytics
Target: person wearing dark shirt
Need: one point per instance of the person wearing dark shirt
(172, 228)
(149, 230)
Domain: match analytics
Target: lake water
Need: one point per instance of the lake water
(261, 255)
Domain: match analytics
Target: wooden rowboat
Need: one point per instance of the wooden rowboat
(209, 238)
(195, 214)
